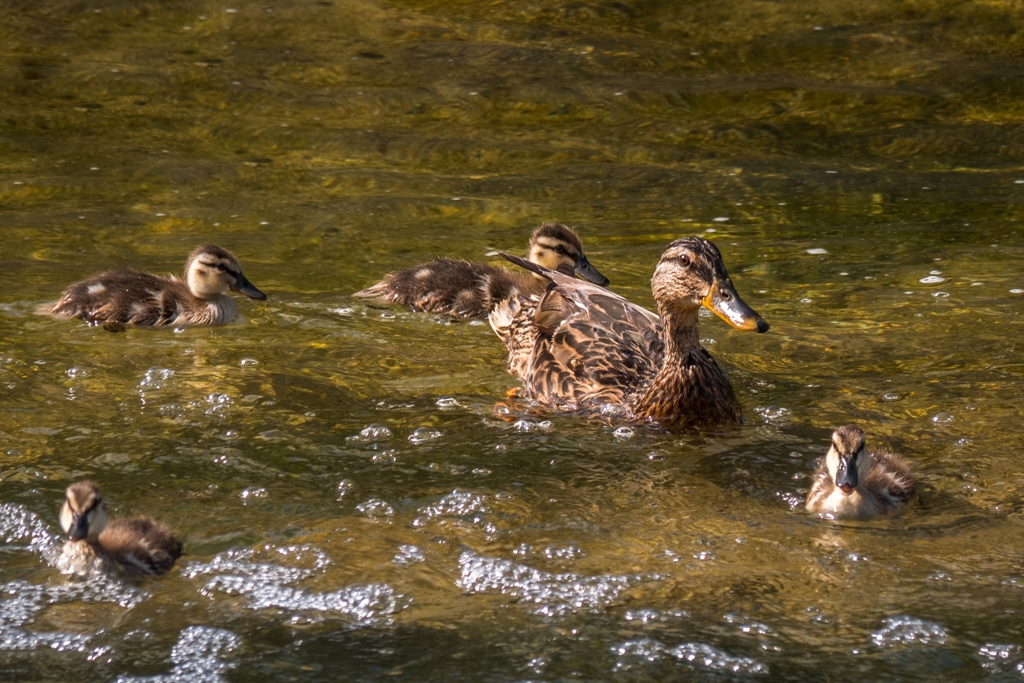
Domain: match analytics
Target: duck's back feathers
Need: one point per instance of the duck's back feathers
(140, 545)
(577, 344)
(451, 286)
(128, 297)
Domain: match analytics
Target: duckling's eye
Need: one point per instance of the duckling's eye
(221, 267)
(684, 261)
(561, 250)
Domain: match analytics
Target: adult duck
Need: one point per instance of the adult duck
(581, 347)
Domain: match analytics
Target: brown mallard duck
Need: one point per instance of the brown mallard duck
(130, 297)
(470, 290)
(852, 482)
(581, 347)
(136, 545)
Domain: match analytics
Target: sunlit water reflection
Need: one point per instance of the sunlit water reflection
(357, 495)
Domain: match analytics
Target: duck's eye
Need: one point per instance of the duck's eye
(684, 261)
(221, 267)
(561, 250)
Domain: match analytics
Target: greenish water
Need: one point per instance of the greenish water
(328, 143)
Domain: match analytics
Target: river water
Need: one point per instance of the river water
(357, 497)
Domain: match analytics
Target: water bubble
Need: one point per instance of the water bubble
(409, 554)
(1017, 291)
(376, 508)
(623, 433)
(259, 575)
(554, 594)
(458, 503)
(77, 372)
(245, 362)
(720, 219)
(817, 251)
(524, 425)
(935, 272)
(699, 656)
(447, 402)
(423, 434)
(388, 457)
(252, 493)
(345, 486)
(940, 418)
(931, 280)
(374, 432)
(154, 379)
(568, 553)
(907, 630)
(891, 396)
(940, 295)
(772, 413)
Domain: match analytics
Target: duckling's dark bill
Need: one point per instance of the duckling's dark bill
(727, 304)
(243, 286)
(846, 476)
(589, 272)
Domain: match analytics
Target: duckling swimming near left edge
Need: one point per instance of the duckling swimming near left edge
(137, 545)
(130, 297)
(852, 482)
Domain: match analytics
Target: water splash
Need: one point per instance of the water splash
(246, 572)
(554, 594)
(198, 657)
(905, 630)
(695, 656)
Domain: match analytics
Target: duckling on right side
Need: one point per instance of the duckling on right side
(852, 482)
(137, 545)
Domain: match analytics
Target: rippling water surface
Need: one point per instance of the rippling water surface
(357, 497)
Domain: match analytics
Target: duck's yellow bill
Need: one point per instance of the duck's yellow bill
(727, 304)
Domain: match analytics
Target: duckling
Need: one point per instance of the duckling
(137, 545)
(462, 289)
(855, 483)
(581, 347)
(129, 297)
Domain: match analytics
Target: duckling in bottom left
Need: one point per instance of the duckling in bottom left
(139, 546)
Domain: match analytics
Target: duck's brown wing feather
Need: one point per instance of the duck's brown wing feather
(128, 297)
(451, 287)
(590, 345)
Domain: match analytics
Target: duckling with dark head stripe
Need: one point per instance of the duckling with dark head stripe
(852, 482)
(130, 297)
(462, 289)
(136, 545)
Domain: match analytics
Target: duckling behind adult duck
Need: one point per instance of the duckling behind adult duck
(137, 545)
(581, 347)
(470, 290)
(855, 483)
(130, 297)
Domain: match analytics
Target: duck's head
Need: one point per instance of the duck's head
(556, 246)
(848, 461)
(83, 515)
(211, 271)
(691, 274)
